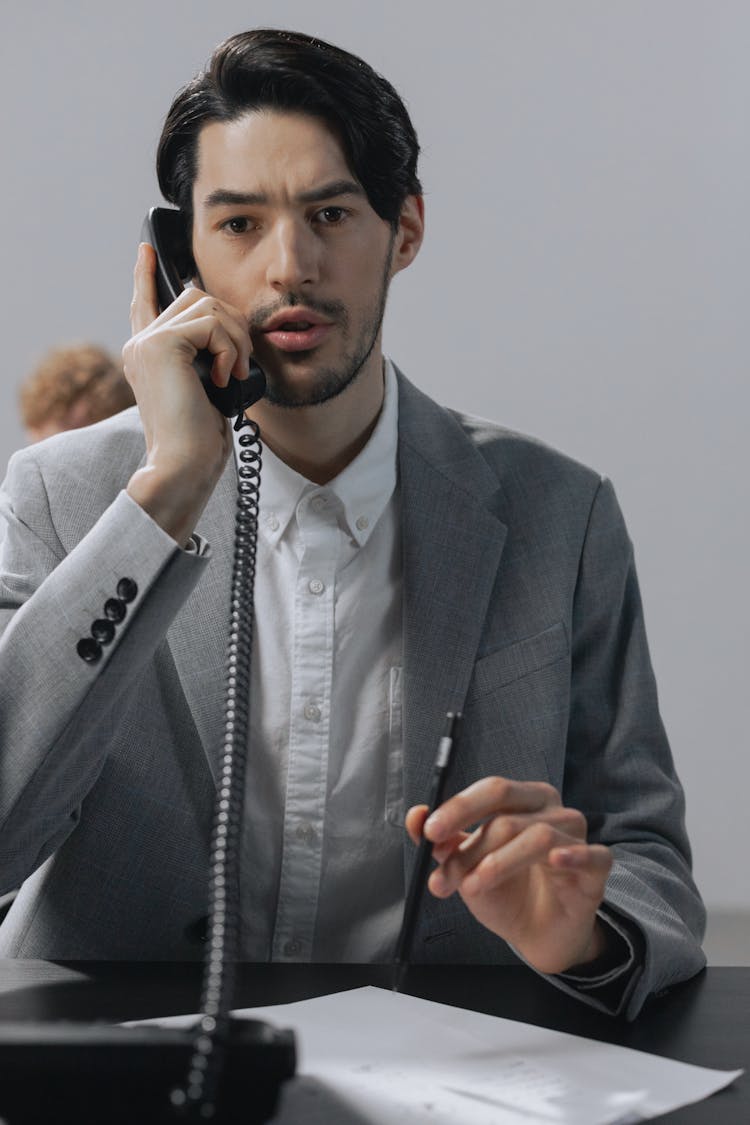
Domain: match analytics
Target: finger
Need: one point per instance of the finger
(204, 307)
(497, 833)
(207, 333)
(530, 847)
(414, 822)
(144, 307)
(488, 797)
(592, 863)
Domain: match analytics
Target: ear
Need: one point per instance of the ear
(409, 234)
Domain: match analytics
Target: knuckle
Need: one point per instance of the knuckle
(498, 789)
(131, 350)
(207, 306)
(488, 867)
(543, 834)
(505, 829)
(576, 822)
(568, 820)
(549, 793)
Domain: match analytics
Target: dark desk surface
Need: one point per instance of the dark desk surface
(705, 1021)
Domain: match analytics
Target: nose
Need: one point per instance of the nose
(293, 256)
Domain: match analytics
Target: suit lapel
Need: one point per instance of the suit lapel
(198, 636)
(452, 545)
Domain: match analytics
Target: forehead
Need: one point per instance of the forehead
(269, 152)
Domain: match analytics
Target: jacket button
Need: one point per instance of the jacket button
(89, 650)
(102, 631)
(127, 589)
(197, 931)
(114, 609)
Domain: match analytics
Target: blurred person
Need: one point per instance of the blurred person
(73, 386)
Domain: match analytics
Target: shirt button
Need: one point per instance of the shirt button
(272, 523)
(312, 712)
(318, 503)
(363, 523)
(315, 586)
(306, 832)
(292, 948)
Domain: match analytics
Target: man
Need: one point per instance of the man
(72, 386)
(410, 561)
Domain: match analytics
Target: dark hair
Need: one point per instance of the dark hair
(289, 71)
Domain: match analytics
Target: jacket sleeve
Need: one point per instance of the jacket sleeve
(619, 769)
(49, 694)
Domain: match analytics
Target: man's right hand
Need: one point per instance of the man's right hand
(187, 439)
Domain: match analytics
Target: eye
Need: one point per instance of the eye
(237, 225)
(331, 216)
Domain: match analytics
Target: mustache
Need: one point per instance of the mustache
(333, 310)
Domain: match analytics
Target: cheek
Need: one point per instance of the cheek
(360, 278)
(230, 278)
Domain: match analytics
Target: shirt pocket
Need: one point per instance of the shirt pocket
(394, 782)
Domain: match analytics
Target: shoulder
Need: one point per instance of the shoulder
(75, 475)
(518, 464)
(112, 448)
(120, 434)
(506, 450)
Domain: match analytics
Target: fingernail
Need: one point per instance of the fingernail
(566, 857)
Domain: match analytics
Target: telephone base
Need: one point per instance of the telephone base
(81, 1074)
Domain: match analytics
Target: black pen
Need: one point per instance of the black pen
(424, 854)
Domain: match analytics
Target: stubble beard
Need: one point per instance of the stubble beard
(332, 381)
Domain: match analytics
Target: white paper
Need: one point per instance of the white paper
(373, 1057)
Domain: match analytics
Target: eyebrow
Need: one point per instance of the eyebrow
(223, 197)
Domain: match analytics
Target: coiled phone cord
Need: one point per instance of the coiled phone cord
(197, 1099)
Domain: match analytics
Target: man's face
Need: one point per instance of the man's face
(284, 232)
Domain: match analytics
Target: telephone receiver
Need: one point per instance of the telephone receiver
(165, 229)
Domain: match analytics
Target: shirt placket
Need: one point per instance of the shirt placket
(309, 731)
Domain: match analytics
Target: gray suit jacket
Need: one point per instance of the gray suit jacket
(521, 608)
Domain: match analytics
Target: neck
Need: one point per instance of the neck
(320, 441)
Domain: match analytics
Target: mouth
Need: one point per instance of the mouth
(296, 330)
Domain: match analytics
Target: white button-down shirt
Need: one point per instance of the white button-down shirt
(323, 837)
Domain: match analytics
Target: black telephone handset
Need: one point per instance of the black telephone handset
(164, 228)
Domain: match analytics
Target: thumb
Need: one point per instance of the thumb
(144, 308)
(414, 821)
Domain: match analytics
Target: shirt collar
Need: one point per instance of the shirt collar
(367, 483)
(364, 487)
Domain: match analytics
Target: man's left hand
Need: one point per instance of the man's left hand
(526, 873)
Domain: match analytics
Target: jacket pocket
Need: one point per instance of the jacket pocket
(516, 711)
(522, 658)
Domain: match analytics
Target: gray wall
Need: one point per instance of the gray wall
(587, 171)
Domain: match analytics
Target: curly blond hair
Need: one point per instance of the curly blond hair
(72, 386)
